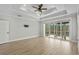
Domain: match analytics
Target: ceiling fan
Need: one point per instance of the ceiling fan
(39, 8)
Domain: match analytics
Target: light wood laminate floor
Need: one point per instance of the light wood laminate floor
(39, 46)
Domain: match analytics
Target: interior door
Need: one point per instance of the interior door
(4, 31)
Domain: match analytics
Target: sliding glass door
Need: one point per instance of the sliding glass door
(65, 30)
(52, 30)
(59, 30)
(55, 30)
(46, 29)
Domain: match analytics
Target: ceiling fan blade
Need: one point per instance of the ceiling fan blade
(44, 9)
(40, 6)
(34, 7)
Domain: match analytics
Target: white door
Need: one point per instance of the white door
(4, 31)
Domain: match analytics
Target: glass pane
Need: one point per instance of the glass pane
(46, 29)
(55, 31)
(51, 30)
(58, 29)
(65, 30)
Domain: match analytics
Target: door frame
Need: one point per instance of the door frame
(59, 20)
(9, 31)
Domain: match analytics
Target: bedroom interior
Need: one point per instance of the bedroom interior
(39, 29)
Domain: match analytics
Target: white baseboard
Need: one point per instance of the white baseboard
(27, 37)
(21, 38)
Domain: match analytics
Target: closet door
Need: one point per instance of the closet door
(4, 31)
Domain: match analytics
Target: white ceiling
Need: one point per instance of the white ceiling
(26, 9)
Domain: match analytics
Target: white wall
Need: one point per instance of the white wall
(18, 31)
(74, 27)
